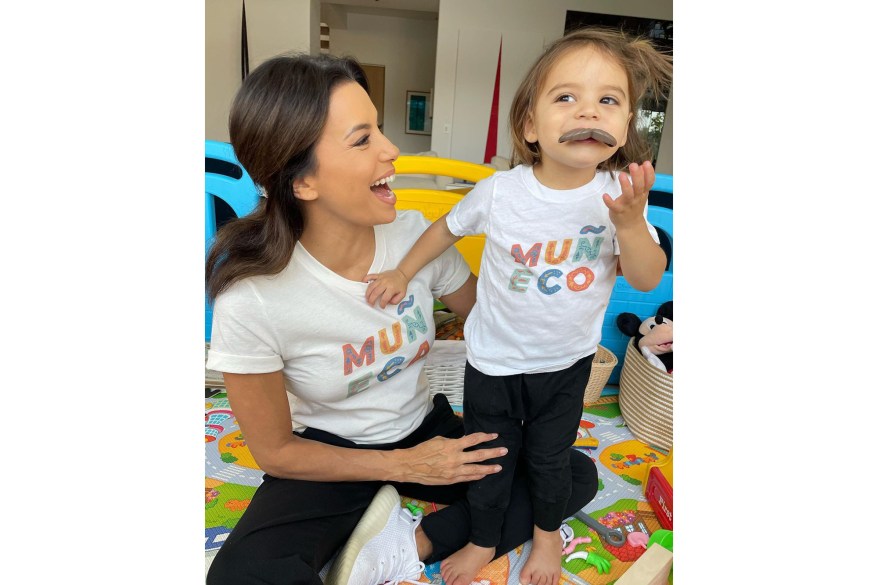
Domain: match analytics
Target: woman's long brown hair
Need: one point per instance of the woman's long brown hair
(276, 120)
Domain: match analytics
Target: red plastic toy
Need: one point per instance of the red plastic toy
(659, 493)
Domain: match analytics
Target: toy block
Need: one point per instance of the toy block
(652, 568)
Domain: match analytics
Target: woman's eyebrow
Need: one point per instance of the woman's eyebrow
(358, 127)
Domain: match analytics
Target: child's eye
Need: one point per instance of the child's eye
(566, 97)
(609, 100)
(362, 141)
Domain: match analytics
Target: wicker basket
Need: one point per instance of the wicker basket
(601, 368)
(447, 360)
(445, 368)
(646, 399)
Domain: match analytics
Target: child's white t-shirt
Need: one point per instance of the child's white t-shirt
(351, 369)
(547, 271)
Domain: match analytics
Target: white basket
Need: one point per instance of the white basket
(444, 368)
(446, 363)
(646, 399)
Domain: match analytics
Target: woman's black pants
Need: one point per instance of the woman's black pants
(292, 528)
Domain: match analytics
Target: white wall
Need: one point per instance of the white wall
(407, 49)
(273, 27)
(222, 69)
(523, 26)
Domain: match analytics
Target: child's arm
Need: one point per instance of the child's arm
(641, 260)
(390, 286)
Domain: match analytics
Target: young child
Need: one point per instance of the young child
(558, 228)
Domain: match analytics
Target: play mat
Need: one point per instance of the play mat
(232, 476)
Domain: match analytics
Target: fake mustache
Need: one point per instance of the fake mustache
(585, 133)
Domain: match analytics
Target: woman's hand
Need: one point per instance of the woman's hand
(442, 461)
(260, 405)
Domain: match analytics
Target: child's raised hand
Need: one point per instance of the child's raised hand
(627, 208)
(387, 287)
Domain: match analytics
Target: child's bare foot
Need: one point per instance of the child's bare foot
(462, 567)
(543, 566)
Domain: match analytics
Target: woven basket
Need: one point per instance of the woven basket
(646, 399)
(445, 367)
(447, 360)
(601, 368)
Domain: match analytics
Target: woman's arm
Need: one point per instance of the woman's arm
(462, 300)
(260, 405)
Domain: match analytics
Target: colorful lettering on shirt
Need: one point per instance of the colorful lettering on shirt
(367, 354)
(386, 373)
(578, 279)
(360, 384)
(544, 278)
(386, 348)
(422, 351)
(550, 252)
(416, 330)
(519, 279)
(531, 258)
(590, 250)
(543, 286)
(571, 279)
(414, 325)
(400, 309)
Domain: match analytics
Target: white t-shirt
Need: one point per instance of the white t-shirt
(547, 271)
(352, 369)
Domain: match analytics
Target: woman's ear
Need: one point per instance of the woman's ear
(304, 189)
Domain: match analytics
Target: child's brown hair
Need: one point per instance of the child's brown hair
(647, 69)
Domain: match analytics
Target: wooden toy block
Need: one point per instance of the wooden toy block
(652, 568)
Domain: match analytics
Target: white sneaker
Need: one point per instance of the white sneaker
(382, 547)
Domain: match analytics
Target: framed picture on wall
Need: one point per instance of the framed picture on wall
(418, 110)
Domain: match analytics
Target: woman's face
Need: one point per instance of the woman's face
(353, 159)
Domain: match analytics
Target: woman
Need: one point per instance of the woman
(290, 320)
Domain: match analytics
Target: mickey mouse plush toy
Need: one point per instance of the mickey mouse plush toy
(653, 336)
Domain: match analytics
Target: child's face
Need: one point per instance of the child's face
(584, 89)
